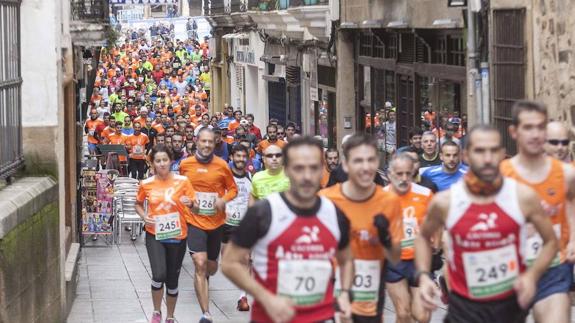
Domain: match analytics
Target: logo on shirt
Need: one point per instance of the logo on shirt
(487, 221)
(309, 235)
(202, 170)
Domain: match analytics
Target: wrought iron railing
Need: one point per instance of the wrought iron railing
(90, 10)
(11, 154)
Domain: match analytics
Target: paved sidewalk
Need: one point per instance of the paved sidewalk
(115, 287)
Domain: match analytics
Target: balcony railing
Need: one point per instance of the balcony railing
(266, 5)
(90, 10)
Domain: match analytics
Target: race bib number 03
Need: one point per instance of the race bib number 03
(167, 226)
(206, 203)
(305, 282)
(535, 244)
(492, 272)
(366, 280)
(235, 214)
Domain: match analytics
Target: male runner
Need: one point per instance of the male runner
(430, 154)
(557, 144)
(554, 182)
(367, 208)
(272, 179)
(450, 170)
(236, 208)
(178, 149)
(214, 185)
(485, 216)
(136, 145)
(272, 133)
(400, 278)
(295, 237)
(331, 162)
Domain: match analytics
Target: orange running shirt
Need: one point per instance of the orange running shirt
(137, 145)
(413, 210)
(368, 253)
(261, 147)
(118, 138)
(553, 194)
(164, 198)
(91, 125)
(213, 177)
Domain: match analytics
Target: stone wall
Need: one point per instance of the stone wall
(30, 273)
(554, 60)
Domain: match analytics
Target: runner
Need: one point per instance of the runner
(215, 186)
(331, 161)
(272, 139)
(372, 214)
(178, 151)
(90, 129)
(485, 215)
(236, 208)
(293, 244)
(450, 170)
(136, 145)
(430, 155)
(272, 179)
(554, 182)
(168, 196)
(414, 199)
(557, 144)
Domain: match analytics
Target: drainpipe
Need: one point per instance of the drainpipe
(473, 77)
(486, 100)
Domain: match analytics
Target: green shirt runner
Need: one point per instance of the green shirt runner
(264, 184)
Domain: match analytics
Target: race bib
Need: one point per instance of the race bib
(492, 272)
(410, 229)
(138, 150)
(206, 203)
(535, 244)
(91, 133)
(305, 282)
(365, 285)
(167, 226)
(235, 213)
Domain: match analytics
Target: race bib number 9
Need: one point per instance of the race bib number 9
(167, 226)
(305, 282)
(492, 272)
(206, 203)
(366, 280)
(410, 227)
(535, 244)
(235, 214)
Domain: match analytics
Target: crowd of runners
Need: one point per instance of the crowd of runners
(322, 235)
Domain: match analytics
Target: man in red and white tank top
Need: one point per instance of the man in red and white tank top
(485, 216)
(295, 238)
(554, 182)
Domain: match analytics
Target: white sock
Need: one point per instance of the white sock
(243, 294)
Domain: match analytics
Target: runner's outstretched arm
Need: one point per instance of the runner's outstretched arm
(280, 309)
(530, 203)
(434, 221)
(345, 263)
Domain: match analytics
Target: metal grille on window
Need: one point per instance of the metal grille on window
(293, 75)
(240, 82)
(407, 48)
(508, 68)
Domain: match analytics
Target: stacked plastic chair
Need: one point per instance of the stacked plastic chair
(125, 191)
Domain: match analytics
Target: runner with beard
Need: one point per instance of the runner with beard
(485, 216)
(214, 184)
(400, 277)
(178, 151)
(554, 182)
(331, 159)
(236, 208)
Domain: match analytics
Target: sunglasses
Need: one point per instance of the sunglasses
(555, 142)
(281, 133)
(278, 155)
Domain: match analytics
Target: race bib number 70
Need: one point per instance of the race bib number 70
(305, 282)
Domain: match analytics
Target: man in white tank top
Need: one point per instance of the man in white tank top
(485, 216)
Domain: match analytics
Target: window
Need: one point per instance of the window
(456, 51)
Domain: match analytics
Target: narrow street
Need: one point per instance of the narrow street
(114, 286)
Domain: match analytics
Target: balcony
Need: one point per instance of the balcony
(293, 17)
(90, 22)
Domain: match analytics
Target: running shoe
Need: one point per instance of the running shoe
(170, 320)
(206, 318)
(156, 317)
(243, 305)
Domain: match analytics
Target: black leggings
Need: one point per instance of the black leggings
(137, 168)
(166, 261)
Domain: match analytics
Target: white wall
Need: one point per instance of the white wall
(39, 50)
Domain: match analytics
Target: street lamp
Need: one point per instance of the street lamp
(457, 3)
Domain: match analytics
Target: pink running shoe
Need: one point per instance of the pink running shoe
(170, 320)
(156, 317)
